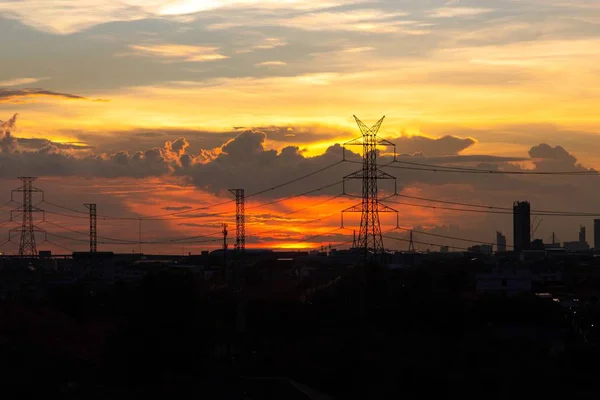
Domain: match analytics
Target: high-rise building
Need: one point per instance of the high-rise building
(582, 234)
(597, 234)
(522, 225)
(580, 245)
(500, 242)
(481, 248)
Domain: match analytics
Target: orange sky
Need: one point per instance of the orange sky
(120, 76)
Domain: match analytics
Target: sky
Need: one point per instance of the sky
(157, 108)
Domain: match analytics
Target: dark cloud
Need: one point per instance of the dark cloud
(17, 95)
(246, 161)
(182, 208)
(548, 152)
(149, 134)
(7, 141)
(298, 134)
(36, 144)
(446, 145)
(459, 159)
(201, 141)
(133, 140)
(548, 158)
(51, 160)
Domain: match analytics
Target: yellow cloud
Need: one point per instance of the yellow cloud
(20, 81)
(451, 12)
(173, 52)
(69, 16)
(262, 44)
(272, 64)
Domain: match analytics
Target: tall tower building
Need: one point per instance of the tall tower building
(582, 234)
(500, 242)
(597, 234)
(522, 225)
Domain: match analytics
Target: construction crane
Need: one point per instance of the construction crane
(535, 226)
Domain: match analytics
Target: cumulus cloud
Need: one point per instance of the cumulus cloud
(176, 148)
(56, 159)
(7, 141)
(250, 161)
(548, 158)
(446, 145)
(246, 162)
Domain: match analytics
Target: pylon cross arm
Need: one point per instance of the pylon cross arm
(355, 175)
(384, 175)
(355, 208)
(383, 142)
(385, 209)
(359, 141)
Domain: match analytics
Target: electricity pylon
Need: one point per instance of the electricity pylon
(240, 219)
(370, 238)
(27, 245)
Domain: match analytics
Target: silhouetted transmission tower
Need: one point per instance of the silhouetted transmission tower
(240, 219)
(369, 237)
(27, 246)
(93, 228)
(411, 244)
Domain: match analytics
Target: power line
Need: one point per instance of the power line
(173, 214)
(132, 242)
(105, 217)
(370, 238)
(294, 196)
(179, 241)
(313, 205)
(423, 243)
(297, 179)
(486, 209)
(441, 168)
(453, 202)
(6, 222)
(305, 222)
(308, 239)
(60, 246)
(447, 208)
(447, 237)
(129, 244)
(6, 204)
(307, 208)
(86, 234)
(201, 216)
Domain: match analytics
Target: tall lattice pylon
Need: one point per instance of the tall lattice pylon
(370, 239)
(93, 228)
(27, 245)
(411, 244)
(240, 219)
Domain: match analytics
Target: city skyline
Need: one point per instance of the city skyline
(147, 109)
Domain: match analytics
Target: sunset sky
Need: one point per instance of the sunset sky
(150, 108)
